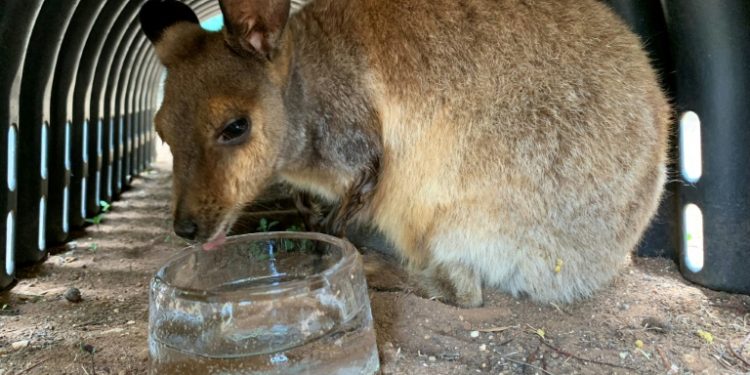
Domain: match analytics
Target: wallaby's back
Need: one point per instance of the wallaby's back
(517, 135)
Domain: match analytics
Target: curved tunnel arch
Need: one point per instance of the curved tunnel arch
(81, 85)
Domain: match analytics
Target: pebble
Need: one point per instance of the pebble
(474, 334)
(88, 348)
(18, 345)
(73, 295)
(432, 358)
(483, 348)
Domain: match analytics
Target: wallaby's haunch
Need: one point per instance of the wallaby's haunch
(518, 144)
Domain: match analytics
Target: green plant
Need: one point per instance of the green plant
(265, 225)
(96, 220)
(105, 206)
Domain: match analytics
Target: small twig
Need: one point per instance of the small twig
(731, 350)
(522, 363)
(744, 342)
(560, 310)
(571, 355)
(664, 360)
(498, 329)
(723, 362)
(27, 369)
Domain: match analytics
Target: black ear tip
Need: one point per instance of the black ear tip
(158, 15)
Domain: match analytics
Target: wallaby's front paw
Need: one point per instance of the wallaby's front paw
(454, 284)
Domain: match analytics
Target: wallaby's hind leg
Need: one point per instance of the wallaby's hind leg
(451, 282)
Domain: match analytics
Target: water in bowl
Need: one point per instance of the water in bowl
(287, 306)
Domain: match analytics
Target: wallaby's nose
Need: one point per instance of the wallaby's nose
(186, 228)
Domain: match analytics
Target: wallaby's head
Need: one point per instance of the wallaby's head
(223, 114)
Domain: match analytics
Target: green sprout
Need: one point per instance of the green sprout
(96, 219)
(105, 206)
(266, 226)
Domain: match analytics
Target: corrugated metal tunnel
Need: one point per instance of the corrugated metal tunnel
(80, 85)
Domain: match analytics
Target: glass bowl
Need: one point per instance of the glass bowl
(263, 303)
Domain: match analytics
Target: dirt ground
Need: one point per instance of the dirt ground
(649, 320)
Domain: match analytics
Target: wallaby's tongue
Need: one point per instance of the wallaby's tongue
(215, 242)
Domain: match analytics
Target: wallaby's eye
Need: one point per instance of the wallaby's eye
(235, 132)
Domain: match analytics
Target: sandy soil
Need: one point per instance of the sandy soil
(648, 321)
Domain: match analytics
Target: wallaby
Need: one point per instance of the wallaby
(517, 144)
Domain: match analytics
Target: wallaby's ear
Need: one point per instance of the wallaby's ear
(255, 26)
(156, 16)
(159, 16)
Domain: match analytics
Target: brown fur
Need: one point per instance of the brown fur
(488, 140)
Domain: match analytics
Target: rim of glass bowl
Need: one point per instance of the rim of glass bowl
(316, 281)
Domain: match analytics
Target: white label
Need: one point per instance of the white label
(12, 158)
(83, 197)
(42, 243)
(692, 230)
(43, 156)
(690, 147)
(10, 265)
(85, 145)
(67, 146)
(65, 210)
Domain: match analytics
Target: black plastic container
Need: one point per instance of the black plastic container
(124, 87)
(107, 60)
(68, 169)
(113, 109)
(82, 104)
(646, 19)
(710, 42)
(36, 92)
(16, 21)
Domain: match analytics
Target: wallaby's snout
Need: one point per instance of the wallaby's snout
(186, 228)
(184, 225)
